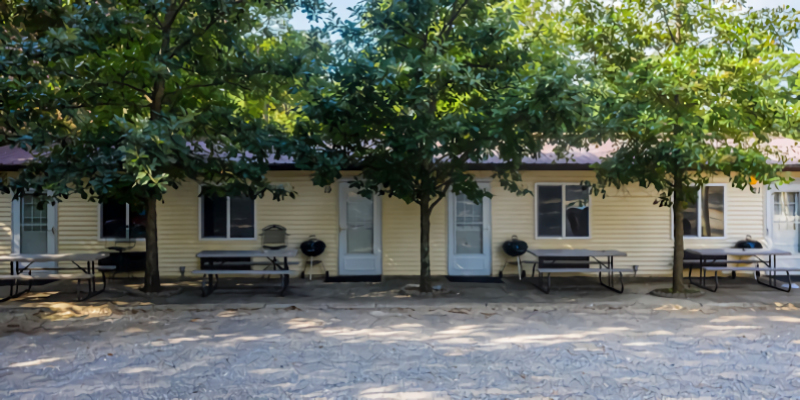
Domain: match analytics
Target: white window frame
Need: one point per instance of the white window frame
(227, 222)
(563, 236)
(700, 215)
(127, 225)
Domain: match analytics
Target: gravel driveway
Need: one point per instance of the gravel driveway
(102, 353)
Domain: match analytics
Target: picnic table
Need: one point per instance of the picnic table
(222, 262)
(22, 267)
(579, 261)
(716, 260)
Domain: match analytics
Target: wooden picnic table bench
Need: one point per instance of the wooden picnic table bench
(213, 263)
(579, 261)
(23, 265)
(716, 260)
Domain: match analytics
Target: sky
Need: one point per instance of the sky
(340, 8)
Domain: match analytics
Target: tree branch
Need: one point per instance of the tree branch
(191, 37)
(140, 90)
(171, 15)
(453, 15)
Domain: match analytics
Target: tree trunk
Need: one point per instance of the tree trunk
(677, 213)
(152, 281)
(425, 245)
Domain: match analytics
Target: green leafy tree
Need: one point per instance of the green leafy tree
(121, 100)
(422, 90)
(688, 90)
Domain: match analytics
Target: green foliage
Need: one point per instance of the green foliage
(687, 90)
(121, 100)
(126, 99)
(422, 90)
(426, 88)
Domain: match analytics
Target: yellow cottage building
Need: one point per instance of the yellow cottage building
(381, 236)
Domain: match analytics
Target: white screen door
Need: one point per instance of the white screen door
(469, 235)
(359, 232)
(34, 228)
(783, 223)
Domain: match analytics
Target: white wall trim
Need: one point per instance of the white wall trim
(15, 226)
(486, 204)
(16, 222)
(377, 230)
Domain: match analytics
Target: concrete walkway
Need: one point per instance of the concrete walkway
(580, 292)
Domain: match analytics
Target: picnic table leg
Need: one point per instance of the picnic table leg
(89, 293)
(207, 285)
(541, 286)
(772, 276)
(610, 285)
(716, 281)
(701, 280)
(13, 287)
(17, 293)
(284, 284)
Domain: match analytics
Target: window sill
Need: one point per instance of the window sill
(225, 239)
(562, 237)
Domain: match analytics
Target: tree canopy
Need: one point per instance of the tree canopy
(120, 100)
(422, 90)
(688, 90)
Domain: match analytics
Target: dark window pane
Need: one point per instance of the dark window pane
(215, 216)
(242, 218)
(550, 211)
(713, 199)
(577, 211)
(113, 221)
(690, 219)
(137, 222)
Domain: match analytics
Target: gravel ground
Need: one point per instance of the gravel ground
(103, 353)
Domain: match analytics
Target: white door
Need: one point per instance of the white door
(34, 228)
(359, 232)
(783, 222)
(469, 235)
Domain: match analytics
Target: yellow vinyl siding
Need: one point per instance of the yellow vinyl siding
(401, 231)
(78, 227)
(312, 212)
(625, 220)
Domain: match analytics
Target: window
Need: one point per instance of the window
(707, 220)
(562, 211)
(121, 221)
(469, 226)
(360, 223)
(227, 218)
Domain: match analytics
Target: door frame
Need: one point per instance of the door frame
(769, 210)
(487, 231)
(16, 226)
(377, 230)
